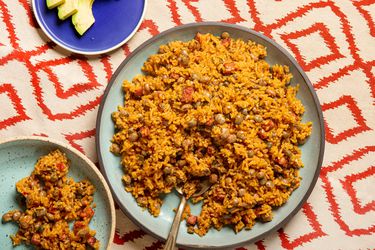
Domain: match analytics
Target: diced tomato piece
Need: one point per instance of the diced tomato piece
(88, 212)
(268, 125)
(229, 68)
(91, 242)
(282, 161)
(192, 220)
(139, 92)
(187, 94)
(61, 166)
(78, 225)
(145, 131)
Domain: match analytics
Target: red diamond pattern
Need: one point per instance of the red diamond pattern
(348, 186)
(334, 203)
(349, 102)
(47, 66)
(325, 34)
(75, 90)
(16, 102)
(369, 17)
(311, 216)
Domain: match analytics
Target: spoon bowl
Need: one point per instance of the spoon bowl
(172, 236)
(203, 187)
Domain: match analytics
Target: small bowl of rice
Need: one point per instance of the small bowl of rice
(53, 197)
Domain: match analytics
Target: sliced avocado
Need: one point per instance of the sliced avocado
(83, 19)
(67, 9)
(54, 3)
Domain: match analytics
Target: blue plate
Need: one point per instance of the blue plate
(116, 21)
(17, 159)
(312, 151)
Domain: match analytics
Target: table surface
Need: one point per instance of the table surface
(46, 91)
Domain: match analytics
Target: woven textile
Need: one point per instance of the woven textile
(46, 91)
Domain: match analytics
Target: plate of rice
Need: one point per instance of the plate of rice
(217, 102)
(53, 197)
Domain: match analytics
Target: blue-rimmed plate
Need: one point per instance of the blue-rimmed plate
(312, 151)
(17, 159)
(116, 21)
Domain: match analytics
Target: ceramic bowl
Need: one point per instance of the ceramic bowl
(312, 151)
(17, 159)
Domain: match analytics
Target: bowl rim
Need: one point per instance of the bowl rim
(83, 52)
(292, 61)
(88, 162)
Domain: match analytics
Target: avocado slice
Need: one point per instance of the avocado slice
(54, 3)
(83, 19)
(67, 9)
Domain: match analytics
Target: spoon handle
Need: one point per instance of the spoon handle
(172, 236)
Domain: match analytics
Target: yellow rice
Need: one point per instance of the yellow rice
(53, 200)
(212, 108)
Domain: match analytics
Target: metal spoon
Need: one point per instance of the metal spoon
(172, 236)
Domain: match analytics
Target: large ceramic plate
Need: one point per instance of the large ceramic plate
(17, 159)
(312, 151)
(115, 23)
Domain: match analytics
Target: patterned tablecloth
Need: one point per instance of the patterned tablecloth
(47, 91)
